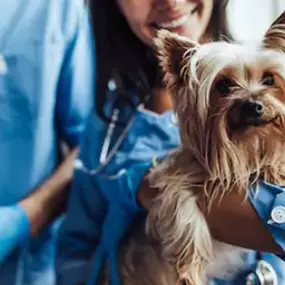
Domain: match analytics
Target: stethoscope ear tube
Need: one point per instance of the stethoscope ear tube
(108, 137)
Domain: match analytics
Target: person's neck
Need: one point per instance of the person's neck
(160, 101)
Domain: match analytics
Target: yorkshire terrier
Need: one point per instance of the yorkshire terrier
(230, 105)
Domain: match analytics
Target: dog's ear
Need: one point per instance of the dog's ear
(275, 35)
(174, 53)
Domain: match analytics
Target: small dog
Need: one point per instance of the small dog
(230, 104)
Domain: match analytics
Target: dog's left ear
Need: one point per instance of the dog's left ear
(174, 54)
(275, 35)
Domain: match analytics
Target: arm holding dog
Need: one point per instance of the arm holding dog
(248, 230)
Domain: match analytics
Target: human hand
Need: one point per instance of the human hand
(48, 200)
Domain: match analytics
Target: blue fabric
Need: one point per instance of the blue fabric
(101, 206)
(89, 207)
(121, 211)
(11, 235)
(264, 201)
(45, 96)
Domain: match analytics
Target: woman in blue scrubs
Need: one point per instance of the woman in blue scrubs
(132, 127)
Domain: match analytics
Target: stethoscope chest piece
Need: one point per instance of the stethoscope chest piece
(263, 275)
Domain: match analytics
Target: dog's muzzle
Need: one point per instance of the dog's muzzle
(252, 109)
(245, 113)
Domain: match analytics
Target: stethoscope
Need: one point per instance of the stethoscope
(264, 274)
(107, 152)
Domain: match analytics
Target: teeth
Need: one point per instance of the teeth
(175, 23)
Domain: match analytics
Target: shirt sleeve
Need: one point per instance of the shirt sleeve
(76, 81)
(81, 227)
(14, 229)
(269, 202)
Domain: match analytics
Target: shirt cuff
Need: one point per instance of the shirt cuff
(269, 202)
(131, 181)
(123, 186)
(14, 229)
(24, 223)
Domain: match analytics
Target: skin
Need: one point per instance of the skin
(48, 201)
(144, 17)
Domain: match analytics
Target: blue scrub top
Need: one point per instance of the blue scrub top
(101, 206)
(46, 95)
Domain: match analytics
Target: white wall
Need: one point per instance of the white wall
(249, 19)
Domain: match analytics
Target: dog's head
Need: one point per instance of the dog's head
(229, 98)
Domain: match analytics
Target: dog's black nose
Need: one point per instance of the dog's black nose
(252, 109)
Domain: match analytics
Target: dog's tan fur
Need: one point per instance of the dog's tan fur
(213, 159)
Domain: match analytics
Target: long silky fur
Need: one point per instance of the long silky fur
(208, 165)
(173, 216)
(176, 246)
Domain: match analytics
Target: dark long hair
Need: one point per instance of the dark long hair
(120, 55)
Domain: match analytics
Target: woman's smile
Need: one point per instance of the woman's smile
(188, 18)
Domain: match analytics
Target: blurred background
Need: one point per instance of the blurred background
(249, 19)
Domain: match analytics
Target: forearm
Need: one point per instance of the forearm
(232, 221)
(47, 201)
(236, 222)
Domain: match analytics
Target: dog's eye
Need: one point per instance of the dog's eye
(268, 79)
(224, 85)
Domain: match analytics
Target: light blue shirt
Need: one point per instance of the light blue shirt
(102, 206)
(45, 96)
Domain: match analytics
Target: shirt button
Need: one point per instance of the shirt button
(252, 279)
(278, 214)
(174, 119)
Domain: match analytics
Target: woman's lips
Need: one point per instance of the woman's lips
(176, 22)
